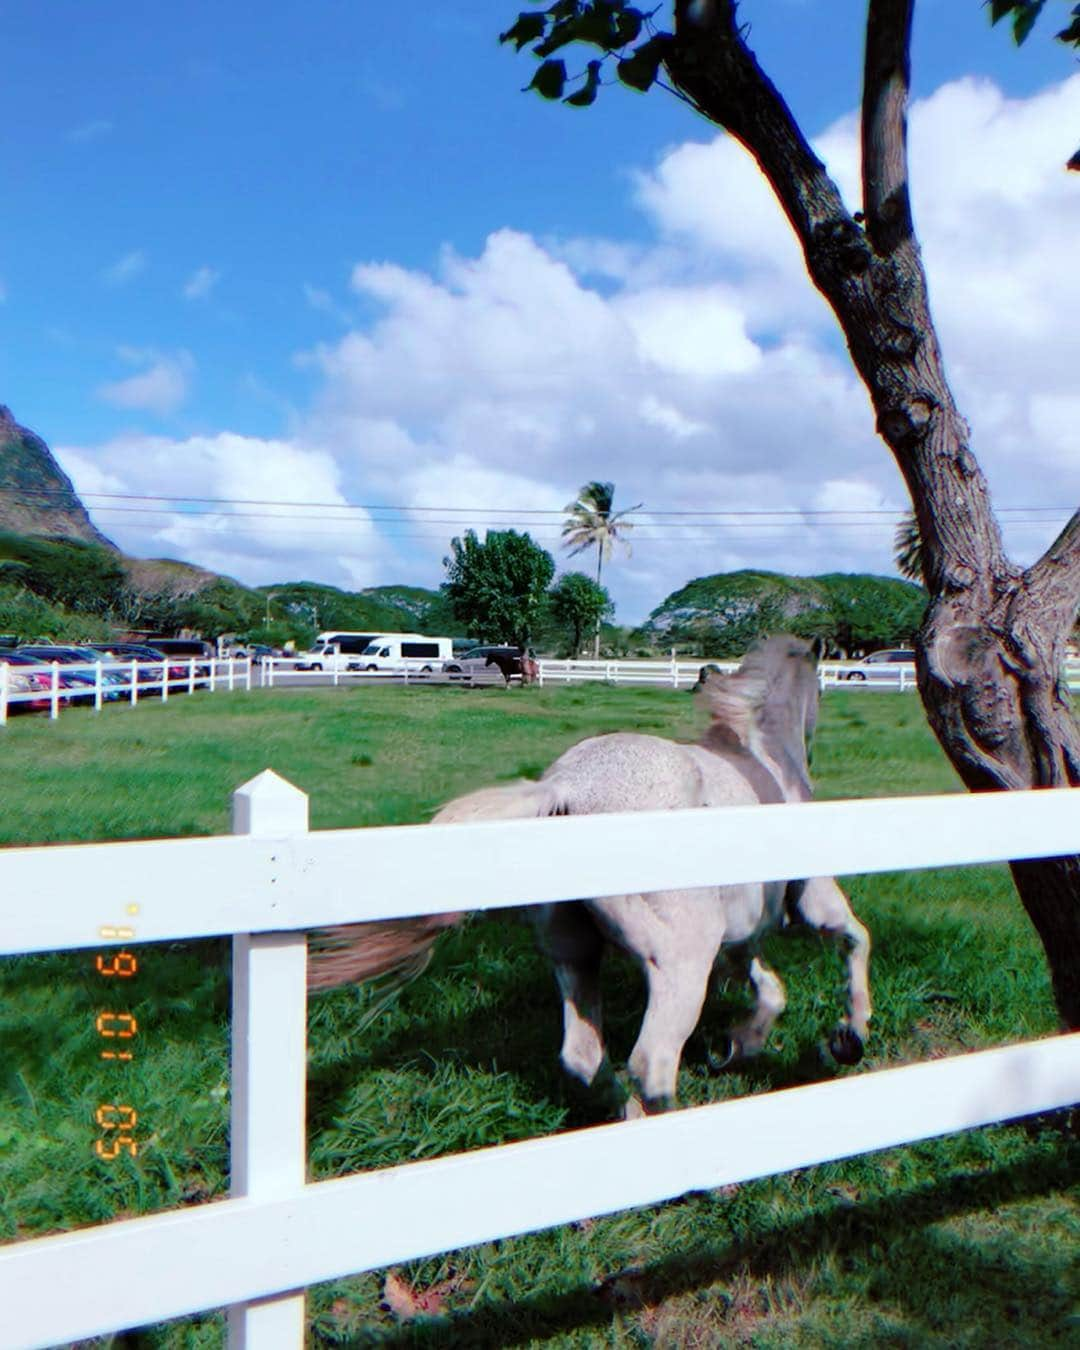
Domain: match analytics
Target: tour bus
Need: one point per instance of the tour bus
(336, 651)
(406, 651)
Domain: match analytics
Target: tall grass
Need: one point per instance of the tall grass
(969, 1241)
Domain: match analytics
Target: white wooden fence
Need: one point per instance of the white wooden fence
(256, 1251)
(41, 686)
(131, 680)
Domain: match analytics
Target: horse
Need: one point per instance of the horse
(754, 751)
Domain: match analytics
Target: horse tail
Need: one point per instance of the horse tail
(394, 951)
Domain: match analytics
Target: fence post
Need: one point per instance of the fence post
(97, 686)
(54, 700)
(213, 673)
(247, 675)
(133, 693)
(3, 693)
(674, 670)
(269, 1061)
(191, 675)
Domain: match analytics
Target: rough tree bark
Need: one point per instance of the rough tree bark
(992, 645)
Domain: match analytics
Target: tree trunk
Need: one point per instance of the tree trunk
(599, 565)
(991, 649)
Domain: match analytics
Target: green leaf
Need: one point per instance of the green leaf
(628, 26)
(1072, 33)
(640, 69)
(581, 98)
(565, 31)
(550, 79)
(1000, 8)
(527, 28)
(597, 25)
(1024, 19)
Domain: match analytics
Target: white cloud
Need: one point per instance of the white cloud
(252, 540)
(201, 282)
(161, 388)
(125, 269)
(699, 371)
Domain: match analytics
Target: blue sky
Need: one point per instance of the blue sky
(190, 191)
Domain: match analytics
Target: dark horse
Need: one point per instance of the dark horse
(754, 751)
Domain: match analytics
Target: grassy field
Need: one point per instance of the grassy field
(971, 1241)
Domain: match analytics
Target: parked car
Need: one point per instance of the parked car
(150, 663)
(21, 682)
(881, 665)
(510, 662)
(180, 652)
(84, 657)
(258, 652)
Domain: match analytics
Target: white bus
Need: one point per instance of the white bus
(406, 651)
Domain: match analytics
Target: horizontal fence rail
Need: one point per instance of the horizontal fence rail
(275, 1235)
(235, 1250)
(284, 882)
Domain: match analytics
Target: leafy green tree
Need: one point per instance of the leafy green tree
(497, 586)
(865, 612)
(592, 520)
(992, 643)
(80, 577)
(907, 548)
(577, 605)
(29, 617)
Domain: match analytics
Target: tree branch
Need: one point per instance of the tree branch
(886, 81)
(711, 63)
(1054, 581)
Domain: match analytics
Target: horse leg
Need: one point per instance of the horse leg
(677, 989)
(824, 906)
(576, 948)
(749, 1037)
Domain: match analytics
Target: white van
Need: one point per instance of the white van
(406, 651)
(336, 651)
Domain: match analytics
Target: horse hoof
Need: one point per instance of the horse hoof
(719, 1061)
(845, 1045)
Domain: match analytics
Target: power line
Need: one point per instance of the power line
(502, 510)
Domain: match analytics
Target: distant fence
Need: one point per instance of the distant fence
(255, 1252)
(53, 685)
(49, 686)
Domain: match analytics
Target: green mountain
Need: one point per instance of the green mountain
(36, 496)
(391, 609)
(720, 615)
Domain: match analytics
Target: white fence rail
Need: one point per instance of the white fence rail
(683, 672)
(55, 684)
(255, 1251)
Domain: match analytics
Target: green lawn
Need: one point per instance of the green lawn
(971, 1241)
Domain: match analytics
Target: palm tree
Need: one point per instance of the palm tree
(907, 548)
(592, 521)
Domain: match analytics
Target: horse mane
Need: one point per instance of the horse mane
(739, 703)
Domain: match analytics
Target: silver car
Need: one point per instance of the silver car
(881, 667)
